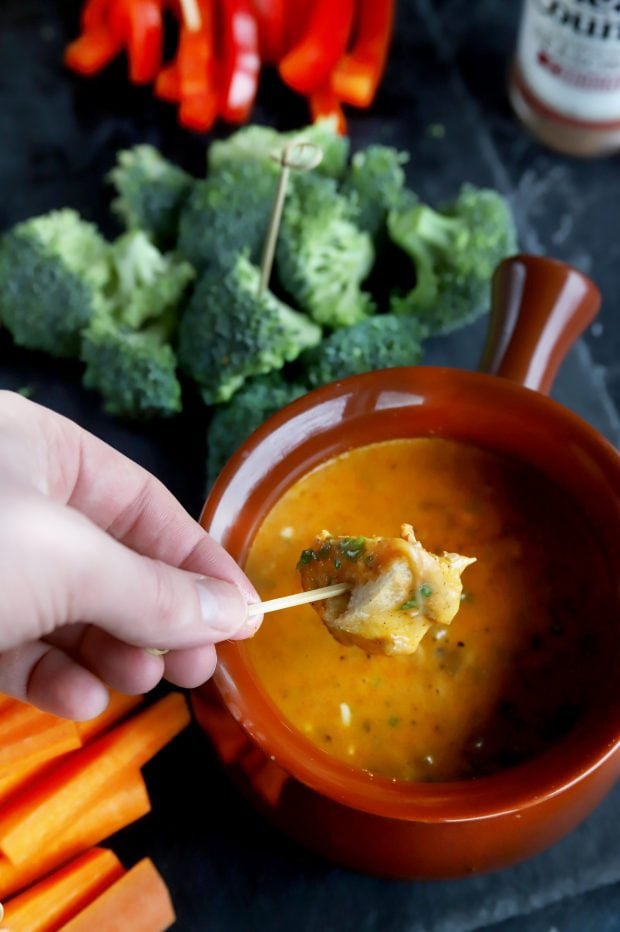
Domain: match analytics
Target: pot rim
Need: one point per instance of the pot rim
(378, 393)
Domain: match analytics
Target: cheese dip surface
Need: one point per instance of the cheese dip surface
(519, 663)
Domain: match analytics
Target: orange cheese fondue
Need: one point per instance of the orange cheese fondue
(518, 664)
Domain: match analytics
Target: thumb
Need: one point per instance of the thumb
(56, 567)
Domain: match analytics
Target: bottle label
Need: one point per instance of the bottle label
(569, 56)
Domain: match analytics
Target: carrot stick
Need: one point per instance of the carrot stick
(138, 901)
(29, 736)
(64, 894)
(121, 805)
(38, 743)
(42, 812)
(118, 707)
(16, 715)
(19, 775)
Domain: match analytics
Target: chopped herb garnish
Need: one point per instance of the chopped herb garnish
(393, 721)
(407, 606)
(307, 556)
(425, 591)
(352, 547)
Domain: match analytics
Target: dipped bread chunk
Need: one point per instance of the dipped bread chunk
(397, 588)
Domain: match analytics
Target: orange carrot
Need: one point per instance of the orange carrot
(123, 804)
(19, 775)
(4, 701)
(31, 737)
(138, 901)
(17, 778)
(20, 718)
(118, 707)
(42, 812)
(37, 743)
(64, 894)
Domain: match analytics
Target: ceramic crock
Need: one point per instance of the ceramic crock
(366, 822)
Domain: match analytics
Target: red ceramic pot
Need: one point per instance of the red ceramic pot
(411, 829)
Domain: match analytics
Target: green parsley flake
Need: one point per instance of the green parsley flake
(425, 591)
(407, 606)
(307, 556)
(352, 547)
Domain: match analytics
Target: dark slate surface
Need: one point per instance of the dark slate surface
(226, 868)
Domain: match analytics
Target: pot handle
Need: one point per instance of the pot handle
(539, 307)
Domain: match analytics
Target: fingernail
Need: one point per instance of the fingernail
(249, 629)
(224, 609)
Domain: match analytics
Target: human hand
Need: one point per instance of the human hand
(98, 561)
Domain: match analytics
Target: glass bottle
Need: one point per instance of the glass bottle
(565, 78)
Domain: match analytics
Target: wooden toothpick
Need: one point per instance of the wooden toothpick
(277, 605)
(191, 15)
(296, 156)
(300, 598)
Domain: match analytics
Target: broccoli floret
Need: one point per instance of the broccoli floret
(233, 422)
(147, 283)
(376, 176)
(455, 251)
(322, 255)
(227, 212)
(126, 347)
(229, 332)
(53, 272)
(380, 342)
(134, 370)
(151, 192)
(257, 143)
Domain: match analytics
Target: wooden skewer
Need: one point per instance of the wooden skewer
(191, 15)
(300, 598)
(276, 605)
(297, 156)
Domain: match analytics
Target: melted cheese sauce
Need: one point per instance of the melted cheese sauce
(517, 665)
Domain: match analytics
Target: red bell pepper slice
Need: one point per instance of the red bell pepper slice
(199, 113)
(139, 26)
(145, 40)
(92, 51)
(241, 62)
(197, 72)
(196, 54)
(357, 76)
(94, 14)
(168, 84)
(297, 13)
(324, 103)
(308, 65)
(190, 80)
(271, 29)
